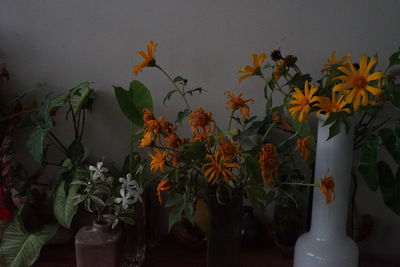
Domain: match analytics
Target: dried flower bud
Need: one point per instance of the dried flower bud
(276, 55)
(290, 61)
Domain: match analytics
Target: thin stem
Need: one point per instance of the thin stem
(303, 184)
(287, 140)
(268, 130)
(231, 118)
(83, 123)
(62, 147)
(74, 119)
(177, 88)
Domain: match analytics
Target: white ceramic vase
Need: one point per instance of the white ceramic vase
(326, 244)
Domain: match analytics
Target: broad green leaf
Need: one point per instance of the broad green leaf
(127, 106)
(76, 151)
(44, 119)
(391, 143)
(64, 207)
(176, 202)
(81, 97)
(369, 160)
(334, 129)
(20, 248)
(390, 186)
(141, 96)
(394, 59)
(36, 145)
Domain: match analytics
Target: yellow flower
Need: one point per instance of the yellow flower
(236, 102)
(217, 167)
(301, 103)
(146, 140)
(333, 61)
(163, 185)
(328, 189)
(158, 160)
(148, 59)
(303, 145)
(355, 82)
(255, 69)
(327, 105)
(268, 161)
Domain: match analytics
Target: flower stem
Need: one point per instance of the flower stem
(303, 184)
(231, 118)
(176, 87)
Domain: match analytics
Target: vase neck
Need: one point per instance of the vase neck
(102, 226)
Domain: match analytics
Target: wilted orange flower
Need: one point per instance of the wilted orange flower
(158, 160)
(278, 69)
(166, 127)
(218, 168)
(301, 103)
(303, 145)
(355, 82)
(176, 158)
(148, 59)
(147, 115)
(281, 122)
(174, 141)
(163, 185)
(236, 102)
(227, 149)
(152, 126)
(328, 189)
(332, 60)
(146, 140)
(201, 122)
(268, 161)
(255, 69)
(327, 106)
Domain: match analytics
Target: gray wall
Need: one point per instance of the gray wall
(62, 43)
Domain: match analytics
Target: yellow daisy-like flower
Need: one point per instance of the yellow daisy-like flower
(355, 82)
(328, 189)
(303, 145)
(237, 102)
(252, 70)
(301, 103)
(328, 105)
(158, 160)
(332, 60)
(148, 59)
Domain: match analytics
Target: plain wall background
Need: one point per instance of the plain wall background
(63, 43)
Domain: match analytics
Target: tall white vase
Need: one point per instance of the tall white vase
(326, 244)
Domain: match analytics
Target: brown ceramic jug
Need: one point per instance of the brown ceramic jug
(98, 245)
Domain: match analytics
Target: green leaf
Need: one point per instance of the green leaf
(199, 89)
(64, 207)
(334, 129)
(76, 151)
(390, 186)
(168, 96)
(394, 59)
(81, 97)
(20, 248)
(141, 96)
(181, 115)
(35, 143)
(128, 106)
(368, 161)
(176, 202)
(391, 143)
(195, 150)
(180, 79)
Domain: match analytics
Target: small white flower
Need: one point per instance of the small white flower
(125, 199)
(98, 171)
(128, 182)
(132, 187)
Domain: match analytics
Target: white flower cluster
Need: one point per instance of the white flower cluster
(130, 192)
(98, 171)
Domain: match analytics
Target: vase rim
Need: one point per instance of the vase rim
(103, 225)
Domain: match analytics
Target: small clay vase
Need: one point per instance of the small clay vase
(98, 245)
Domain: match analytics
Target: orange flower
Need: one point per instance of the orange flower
(174, 141)
(163, 185)
(328, 106)
(278, 69)
(355, 82)
(303, 145)
(166, 127)
(176, 158)
(147, 115)
(255, 69)
(217, 168)
(281, 122)
(146, 140)
(201, 122)
(227, 149)
(301, 103)
(328, 189)
(148, 59)
(268, 161)
(158, 160)
(236, 102)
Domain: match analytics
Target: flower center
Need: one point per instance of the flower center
(304, 102)
(359, 81)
